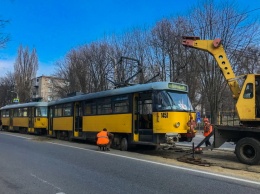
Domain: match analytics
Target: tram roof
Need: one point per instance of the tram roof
(23, 105)
(120, 91)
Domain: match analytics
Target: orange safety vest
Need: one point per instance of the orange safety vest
(102, 138)
(207, 129)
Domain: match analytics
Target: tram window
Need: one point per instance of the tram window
(67, 110)
(104, 106)
(29, 112)
(58, 111)
(3, 113)
(145, 107)
(93, 108)
(121, 107)
(16, 112)
(20, 114)
(24, 113)
(7, 113)
(41, 111)
(121, 104)
(38, 112)
(87, 109)
(90, 108)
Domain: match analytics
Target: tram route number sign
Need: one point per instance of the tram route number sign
(16, 100)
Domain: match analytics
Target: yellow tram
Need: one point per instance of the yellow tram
(148, 114)
(25, 118)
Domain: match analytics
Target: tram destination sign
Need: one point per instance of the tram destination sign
(178, 87)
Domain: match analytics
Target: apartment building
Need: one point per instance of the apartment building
(45, 88)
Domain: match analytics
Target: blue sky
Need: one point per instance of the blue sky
(54, 27)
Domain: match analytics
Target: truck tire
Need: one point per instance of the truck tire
(248, 151)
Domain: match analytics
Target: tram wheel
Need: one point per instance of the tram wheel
(58, 135)
(123, 144)
(70, 136)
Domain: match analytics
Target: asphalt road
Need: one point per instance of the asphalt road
(30, 165)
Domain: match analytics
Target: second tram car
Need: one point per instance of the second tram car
(25, 118)
(149, 114)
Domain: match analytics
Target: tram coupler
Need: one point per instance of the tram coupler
(172, 138)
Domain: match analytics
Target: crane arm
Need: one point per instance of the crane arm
(215, 48)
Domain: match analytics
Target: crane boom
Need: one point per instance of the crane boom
(215, 48)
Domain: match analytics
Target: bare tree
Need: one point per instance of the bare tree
(6, 86)
(85, 69)
(25, 68)
(171, 56)
(160, 41)
(4, 38)
(248, 60)
(100, 66)
(62, 71)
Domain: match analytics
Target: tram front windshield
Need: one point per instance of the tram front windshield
(171, 100)
(41, 111)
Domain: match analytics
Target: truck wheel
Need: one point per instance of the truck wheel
(123, 144)
(248, 151)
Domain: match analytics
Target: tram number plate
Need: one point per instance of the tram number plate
(164, 115)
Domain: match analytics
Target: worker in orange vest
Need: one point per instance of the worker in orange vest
(104, 139)
(207, 130)
(192, 124)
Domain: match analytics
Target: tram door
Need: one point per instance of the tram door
(50, 125)
(11, 114)
(136, 117)
(77, 119)
(31, 118)
(145, 122)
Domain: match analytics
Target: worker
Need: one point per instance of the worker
(104, 139)
(192, 124)
(207, 131)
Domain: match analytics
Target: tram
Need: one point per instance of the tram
(144, 114)
(25, 117)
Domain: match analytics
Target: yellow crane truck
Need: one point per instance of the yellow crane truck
(246, 136)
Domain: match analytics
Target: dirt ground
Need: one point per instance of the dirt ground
(215, 161)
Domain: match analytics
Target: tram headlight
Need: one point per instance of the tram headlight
(177, 124)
